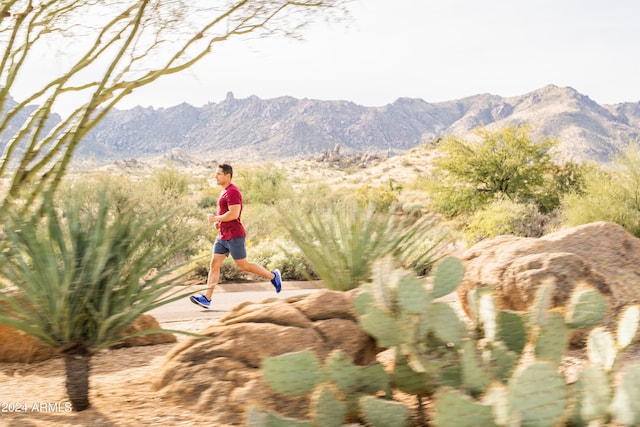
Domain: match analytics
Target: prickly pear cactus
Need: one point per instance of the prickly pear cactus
(626, 402)
(628, 326)
(587, 307)
(592, 393)
(327, 409)
(453, 408)
(293, 374)
(448, 276)
(552, 339)
(512, 330)
(383, 413)
(538, 395)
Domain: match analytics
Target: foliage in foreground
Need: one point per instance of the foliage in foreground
(79, 281)
(504, 372)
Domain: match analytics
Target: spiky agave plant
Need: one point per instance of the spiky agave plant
(342, 242)
(77, 279)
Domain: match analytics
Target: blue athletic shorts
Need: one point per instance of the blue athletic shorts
(235, 247)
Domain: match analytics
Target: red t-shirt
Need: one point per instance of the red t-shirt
(230, 229)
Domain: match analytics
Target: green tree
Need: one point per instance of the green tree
(110, 49)
(506, 163)
(77, 280)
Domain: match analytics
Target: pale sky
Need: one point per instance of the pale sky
(436, 50)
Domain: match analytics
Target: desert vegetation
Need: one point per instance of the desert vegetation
(319, 221)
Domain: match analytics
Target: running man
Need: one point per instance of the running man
(231, 238)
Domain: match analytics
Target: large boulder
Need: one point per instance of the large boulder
(221, 374)
(599, 254)
(17, 346)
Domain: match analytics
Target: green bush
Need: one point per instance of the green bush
(383, 198)
(170, 181)
(505, 217)
(229, 272)
(144, 197)
(608, 195)
(283, 256)
(208, 202)
(265, 184)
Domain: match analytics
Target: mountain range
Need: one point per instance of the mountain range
(286, 127)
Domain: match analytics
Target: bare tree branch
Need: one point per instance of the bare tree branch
(110, 49)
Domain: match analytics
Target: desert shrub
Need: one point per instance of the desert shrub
(125, 193)
(265, 184)
(208, 202)
(382, 197)
(310, 198)
(505, 217)
(170, 181)
(283, 256)
(260, 222)
(608, 195)
(229, 272)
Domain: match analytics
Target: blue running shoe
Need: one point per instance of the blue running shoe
(200, 300)
(277, 280)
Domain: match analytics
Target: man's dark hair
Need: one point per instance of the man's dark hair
(226, 169)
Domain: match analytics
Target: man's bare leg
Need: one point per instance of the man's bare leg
(251, 267)
(214, 274)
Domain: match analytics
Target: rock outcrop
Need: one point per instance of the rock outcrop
(600, 254)
(222, 374)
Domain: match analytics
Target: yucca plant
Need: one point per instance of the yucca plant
(342, 242)
(78, 282)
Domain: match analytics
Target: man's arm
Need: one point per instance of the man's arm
(232, 214)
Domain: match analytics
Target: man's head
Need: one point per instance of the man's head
(224, 174)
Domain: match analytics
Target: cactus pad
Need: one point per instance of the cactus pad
(293, 374)
(327, 410)
(553, 338)
(586, 308)
(593, 396)
(447, 277)
(342, 372)
(454, 409)
(409, 381)
(382, 326)
(412, 295)
(538, 395)
(475, 376)
(601, 348)
(383, 413)
(512, 330)
(628, 326)
(626, 402)
(445, 323)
